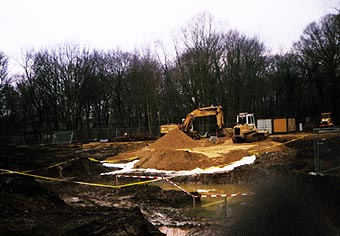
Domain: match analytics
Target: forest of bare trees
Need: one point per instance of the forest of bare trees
(68, 87)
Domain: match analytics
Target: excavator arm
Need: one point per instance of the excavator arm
(203, 112)
(186, 126)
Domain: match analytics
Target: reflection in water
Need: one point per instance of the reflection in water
(214, 208)
(205, 188)
(171, 231)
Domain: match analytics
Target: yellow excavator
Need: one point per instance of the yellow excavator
(187, 126)
(245, 129)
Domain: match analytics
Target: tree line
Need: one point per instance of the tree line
(68, 87)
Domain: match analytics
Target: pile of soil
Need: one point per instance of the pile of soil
(175, 160)
(175, 139)
(176, 151)
(170, 153)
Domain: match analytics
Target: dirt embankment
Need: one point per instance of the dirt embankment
(29, 208)
(35, 207)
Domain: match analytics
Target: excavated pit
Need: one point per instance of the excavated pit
(279, 177)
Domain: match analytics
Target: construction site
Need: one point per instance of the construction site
(174, 185)
(176, 118)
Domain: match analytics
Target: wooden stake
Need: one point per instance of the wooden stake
(225, 208)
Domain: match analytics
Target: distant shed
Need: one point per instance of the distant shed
(284, 125)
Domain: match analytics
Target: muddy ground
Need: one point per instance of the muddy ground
(288, 200)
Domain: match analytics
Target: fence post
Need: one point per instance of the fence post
(116, 182)
(316, 150)
(194, 204)
(225, 208)
(71, 137)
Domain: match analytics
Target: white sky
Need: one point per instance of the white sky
(130, 24)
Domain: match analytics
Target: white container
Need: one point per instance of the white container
(265, 124)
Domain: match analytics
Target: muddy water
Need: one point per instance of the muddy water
(172, 231)
(204, 189)
(213, 207)
(210, 208)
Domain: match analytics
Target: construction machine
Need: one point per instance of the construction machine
(245, 129)
(326, 120)
(187, 125)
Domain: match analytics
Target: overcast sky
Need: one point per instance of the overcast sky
(129, 24)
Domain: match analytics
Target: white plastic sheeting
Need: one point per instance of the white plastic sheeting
(128, 168)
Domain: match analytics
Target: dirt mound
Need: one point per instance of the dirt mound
(176, 151)
(172, 160)
(175, 139)
(164, 153)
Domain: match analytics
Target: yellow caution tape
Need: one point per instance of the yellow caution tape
(113, 161)
(213, 203)
(77, 182)
(73, 159)
(139, 183)
(49, 167)
(217, 202)
(116, 161)
(25, 173)
(93, 159)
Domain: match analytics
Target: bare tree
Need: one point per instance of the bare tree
(198, 64)
(3, 69)
(319, 49)
(244, 73)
